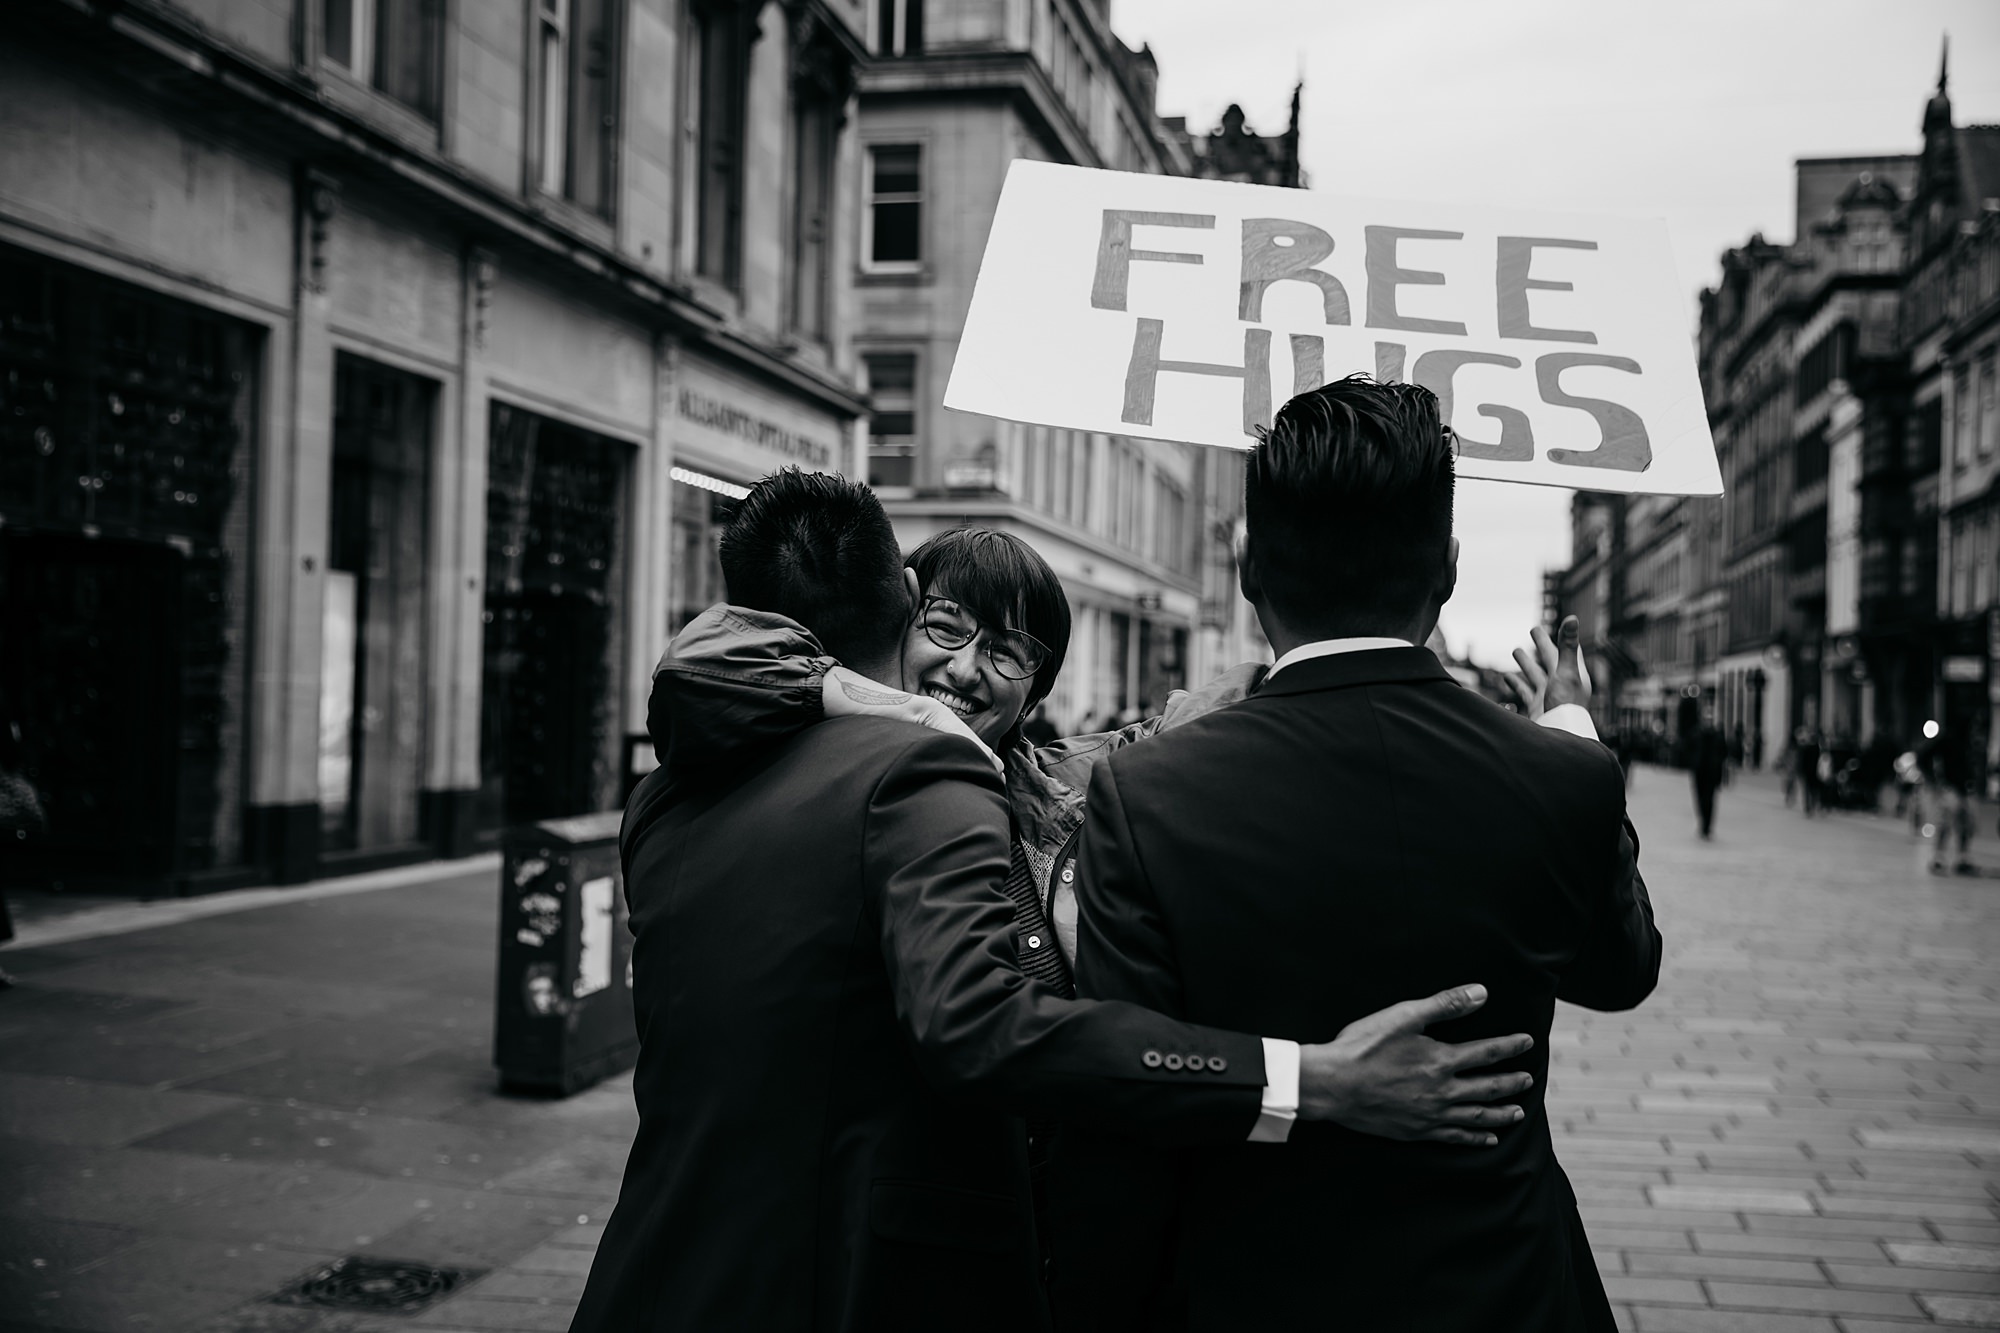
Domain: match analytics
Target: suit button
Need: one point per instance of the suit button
(1173, 1061)
(1069, 873)
(1151, 1059)
(1217, 1064)
(1194, 1063)
(1034, 941)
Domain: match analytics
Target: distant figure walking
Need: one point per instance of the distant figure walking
(1945, 760)
(1708, 763)
(1806, 747)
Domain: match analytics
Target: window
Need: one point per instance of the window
(1170, 543)
(892, 224)
(816, 132)
(1988, 423)
(1961, 424)
(720, 32)
(1810, 459)
(892, 418)
(392, 45)
(899, 27)
(573, 113)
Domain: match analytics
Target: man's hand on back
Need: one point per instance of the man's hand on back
(1383, 1076)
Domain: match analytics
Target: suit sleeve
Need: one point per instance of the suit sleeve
(1619, 963)
(1113, 1201)
(936, 857)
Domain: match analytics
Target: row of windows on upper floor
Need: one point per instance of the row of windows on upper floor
(1145, 510)
(395, 45)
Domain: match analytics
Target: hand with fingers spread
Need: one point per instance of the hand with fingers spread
(1383, 1076)
(1552, 670)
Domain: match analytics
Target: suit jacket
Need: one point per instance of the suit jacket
(835, 1041)
(1359, 831)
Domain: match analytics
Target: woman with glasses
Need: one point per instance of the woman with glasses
(988, 639)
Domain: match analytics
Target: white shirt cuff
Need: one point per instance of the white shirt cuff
(1573, 718)
(1281, 1092)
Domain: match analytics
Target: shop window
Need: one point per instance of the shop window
(892, 222)
(125, 494)
(372, 702)
(575, 64)
(701, 511)
(393, 46)
(554, 621)
(722, 38)
(899, 27)
(892, 418)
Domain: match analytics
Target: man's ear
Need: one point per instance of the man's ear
(1246, 569)
(1449, 584)
(912, 589)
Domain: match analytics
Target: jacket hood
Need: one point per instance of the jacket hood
(732, 683)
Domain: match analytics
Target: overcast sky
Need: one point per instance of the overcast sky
(1691, 110)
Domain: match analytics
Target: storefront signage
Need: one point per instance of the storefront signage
(744, 431)
(1964, 667)
(1179, 309)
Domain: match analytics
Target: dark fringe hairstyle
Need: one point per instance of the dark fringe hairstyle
(817, 548)
(1002, 580)
(1347, 503)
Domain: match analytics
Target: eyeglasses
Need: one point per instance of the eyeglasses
(1015, 655)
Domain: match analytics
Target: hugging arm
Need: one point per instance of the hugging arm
(936, 856)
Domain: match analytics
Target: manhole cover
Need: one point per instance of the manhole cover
(382, 1285)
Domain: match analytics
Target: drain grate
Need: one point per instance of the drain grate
(390, 1286)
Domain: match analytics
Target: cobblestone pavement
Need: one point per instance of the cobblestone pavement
(1796, 1134)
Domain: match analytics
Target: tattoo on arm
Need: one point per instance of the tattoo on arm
(872, 698)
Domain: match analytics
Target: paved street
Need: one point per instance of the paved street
(1796, 1134)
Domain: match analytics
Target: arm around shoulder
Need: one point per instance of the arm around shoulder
(936, 854)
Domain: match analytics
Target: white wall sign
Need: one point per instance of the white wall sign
(746, 431)
(1176, 309)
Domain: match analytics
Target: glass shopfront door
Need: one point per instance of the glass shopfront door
(554, 620)
(372, 645)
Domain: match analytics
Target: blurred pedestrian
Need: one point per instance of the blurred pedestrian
(1806, 748)
(1736, 744)
(22, 818)
(1038, 730)
(1708, 760)
(1945, 760)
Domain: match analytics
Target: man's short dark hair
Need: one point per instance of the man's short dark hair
(1006, 583)
(1347, 505)
(817, 548)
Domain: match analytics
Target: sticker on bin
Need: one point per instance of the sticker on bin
(593, 964)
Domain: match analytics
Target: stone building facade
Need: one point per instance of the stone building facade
(1848, 580)
(369, 371)
(1138, 532)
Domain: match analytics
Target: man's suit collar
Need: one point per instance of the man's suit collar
(1375, 666)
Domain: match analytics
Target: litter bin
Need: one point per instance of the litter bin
(563, 1013)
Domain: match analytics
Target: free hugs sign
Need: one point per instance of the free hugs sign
(1174, 309)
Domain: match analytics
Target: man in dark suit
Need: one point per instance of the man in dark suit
(1359, 827)
(835, 1032)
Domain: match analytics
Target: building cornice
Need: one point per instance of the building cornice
(1009, 76)
(174, 58)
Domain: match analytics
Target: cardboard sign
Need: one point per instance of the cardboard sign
(1173, 309)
